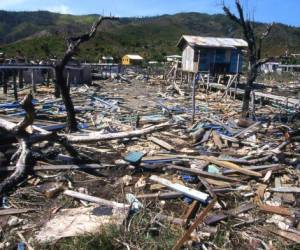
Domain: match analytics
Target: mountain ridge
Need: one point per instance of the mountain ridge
(38, 33)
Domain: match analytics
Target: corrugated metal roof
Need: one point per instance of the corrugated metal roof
(135, 57)
(214, 42)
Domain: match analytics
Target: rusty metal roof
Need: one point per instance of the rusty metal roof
(214, 42)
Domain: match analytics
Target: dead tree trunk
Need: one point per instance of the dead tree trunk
(61, 84)
(24, 151)
(254, 53)
(65, 93)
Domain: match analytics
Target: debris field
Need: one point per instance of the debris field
(219, 182)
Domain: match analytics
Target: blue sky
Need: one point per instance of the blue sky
(284, 11)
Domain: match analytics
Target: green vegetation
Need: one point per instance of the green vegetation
(152, 37)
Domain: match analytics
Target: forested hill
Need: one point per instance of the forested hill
(40, 34)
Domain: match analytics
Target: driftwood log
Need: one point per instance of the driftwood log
(97, 136)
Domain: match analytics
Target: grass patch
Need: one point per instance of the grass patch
(141, 231)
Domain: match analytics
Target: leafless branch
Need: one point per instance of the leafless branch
(74, 42)
(262, 37)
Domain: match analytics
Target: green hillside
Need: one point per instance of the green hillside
(40, 33)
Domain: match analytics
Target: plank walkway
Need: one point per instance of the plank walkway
(287, 101)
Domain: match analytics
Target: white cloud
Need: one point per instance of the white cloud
(63, 9)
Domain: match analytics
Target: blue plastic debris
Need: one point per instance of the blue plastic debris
(187, 200)
(189, 178)
(22, 113)
(82, 125)
(219, 129)
(134, 157)
(10, 105)
(21, 246)
(196, 127)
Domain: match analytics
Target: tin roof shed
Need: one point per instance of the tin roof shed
(212, 42)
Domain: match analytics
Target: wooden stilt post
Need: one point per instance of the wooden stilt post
(238, 74)
(1, 78)
(194, 99)
(15, 85)
(48, 78)
(68, 78)
(20, 75)
(253, 102)
(5, 80)
(33, 81)
(181, 77)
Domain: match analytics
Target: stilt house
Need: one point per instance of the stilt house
(212, 54)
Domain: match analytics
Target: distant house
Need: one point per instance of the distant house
(132, 60)
(173, 58)
(213, 54)
(106, 59)
(269, 67)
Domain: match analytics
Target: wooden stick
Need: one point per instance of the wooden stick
(58, 167)
(275, 210)
(197, 222)
(192, 193)
(12, 211)
(230, 165)
(204, 174)
(96, 200)
(162, 143)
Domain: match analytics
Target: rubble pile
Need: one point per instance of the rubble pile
(221, 181)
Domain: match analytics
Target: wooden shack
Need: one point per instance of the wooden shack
(132, 60)
(212, 54)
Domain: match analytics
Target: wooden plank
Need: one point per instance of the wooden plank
(204, 174)
(161, 143)
(217, 140)
(246, 130)
(262, 167)
(176, 221)
(58, 167)
(275, 210)
(285, 189)
(287, 235)
(96, 200)
(230, 165)
(12, 211)
(160, 196)
(192, 193)
(232, 212)
(197, 222)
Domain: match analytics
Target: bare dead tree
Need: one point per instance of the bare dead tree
(254, 51)
(61, 87)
